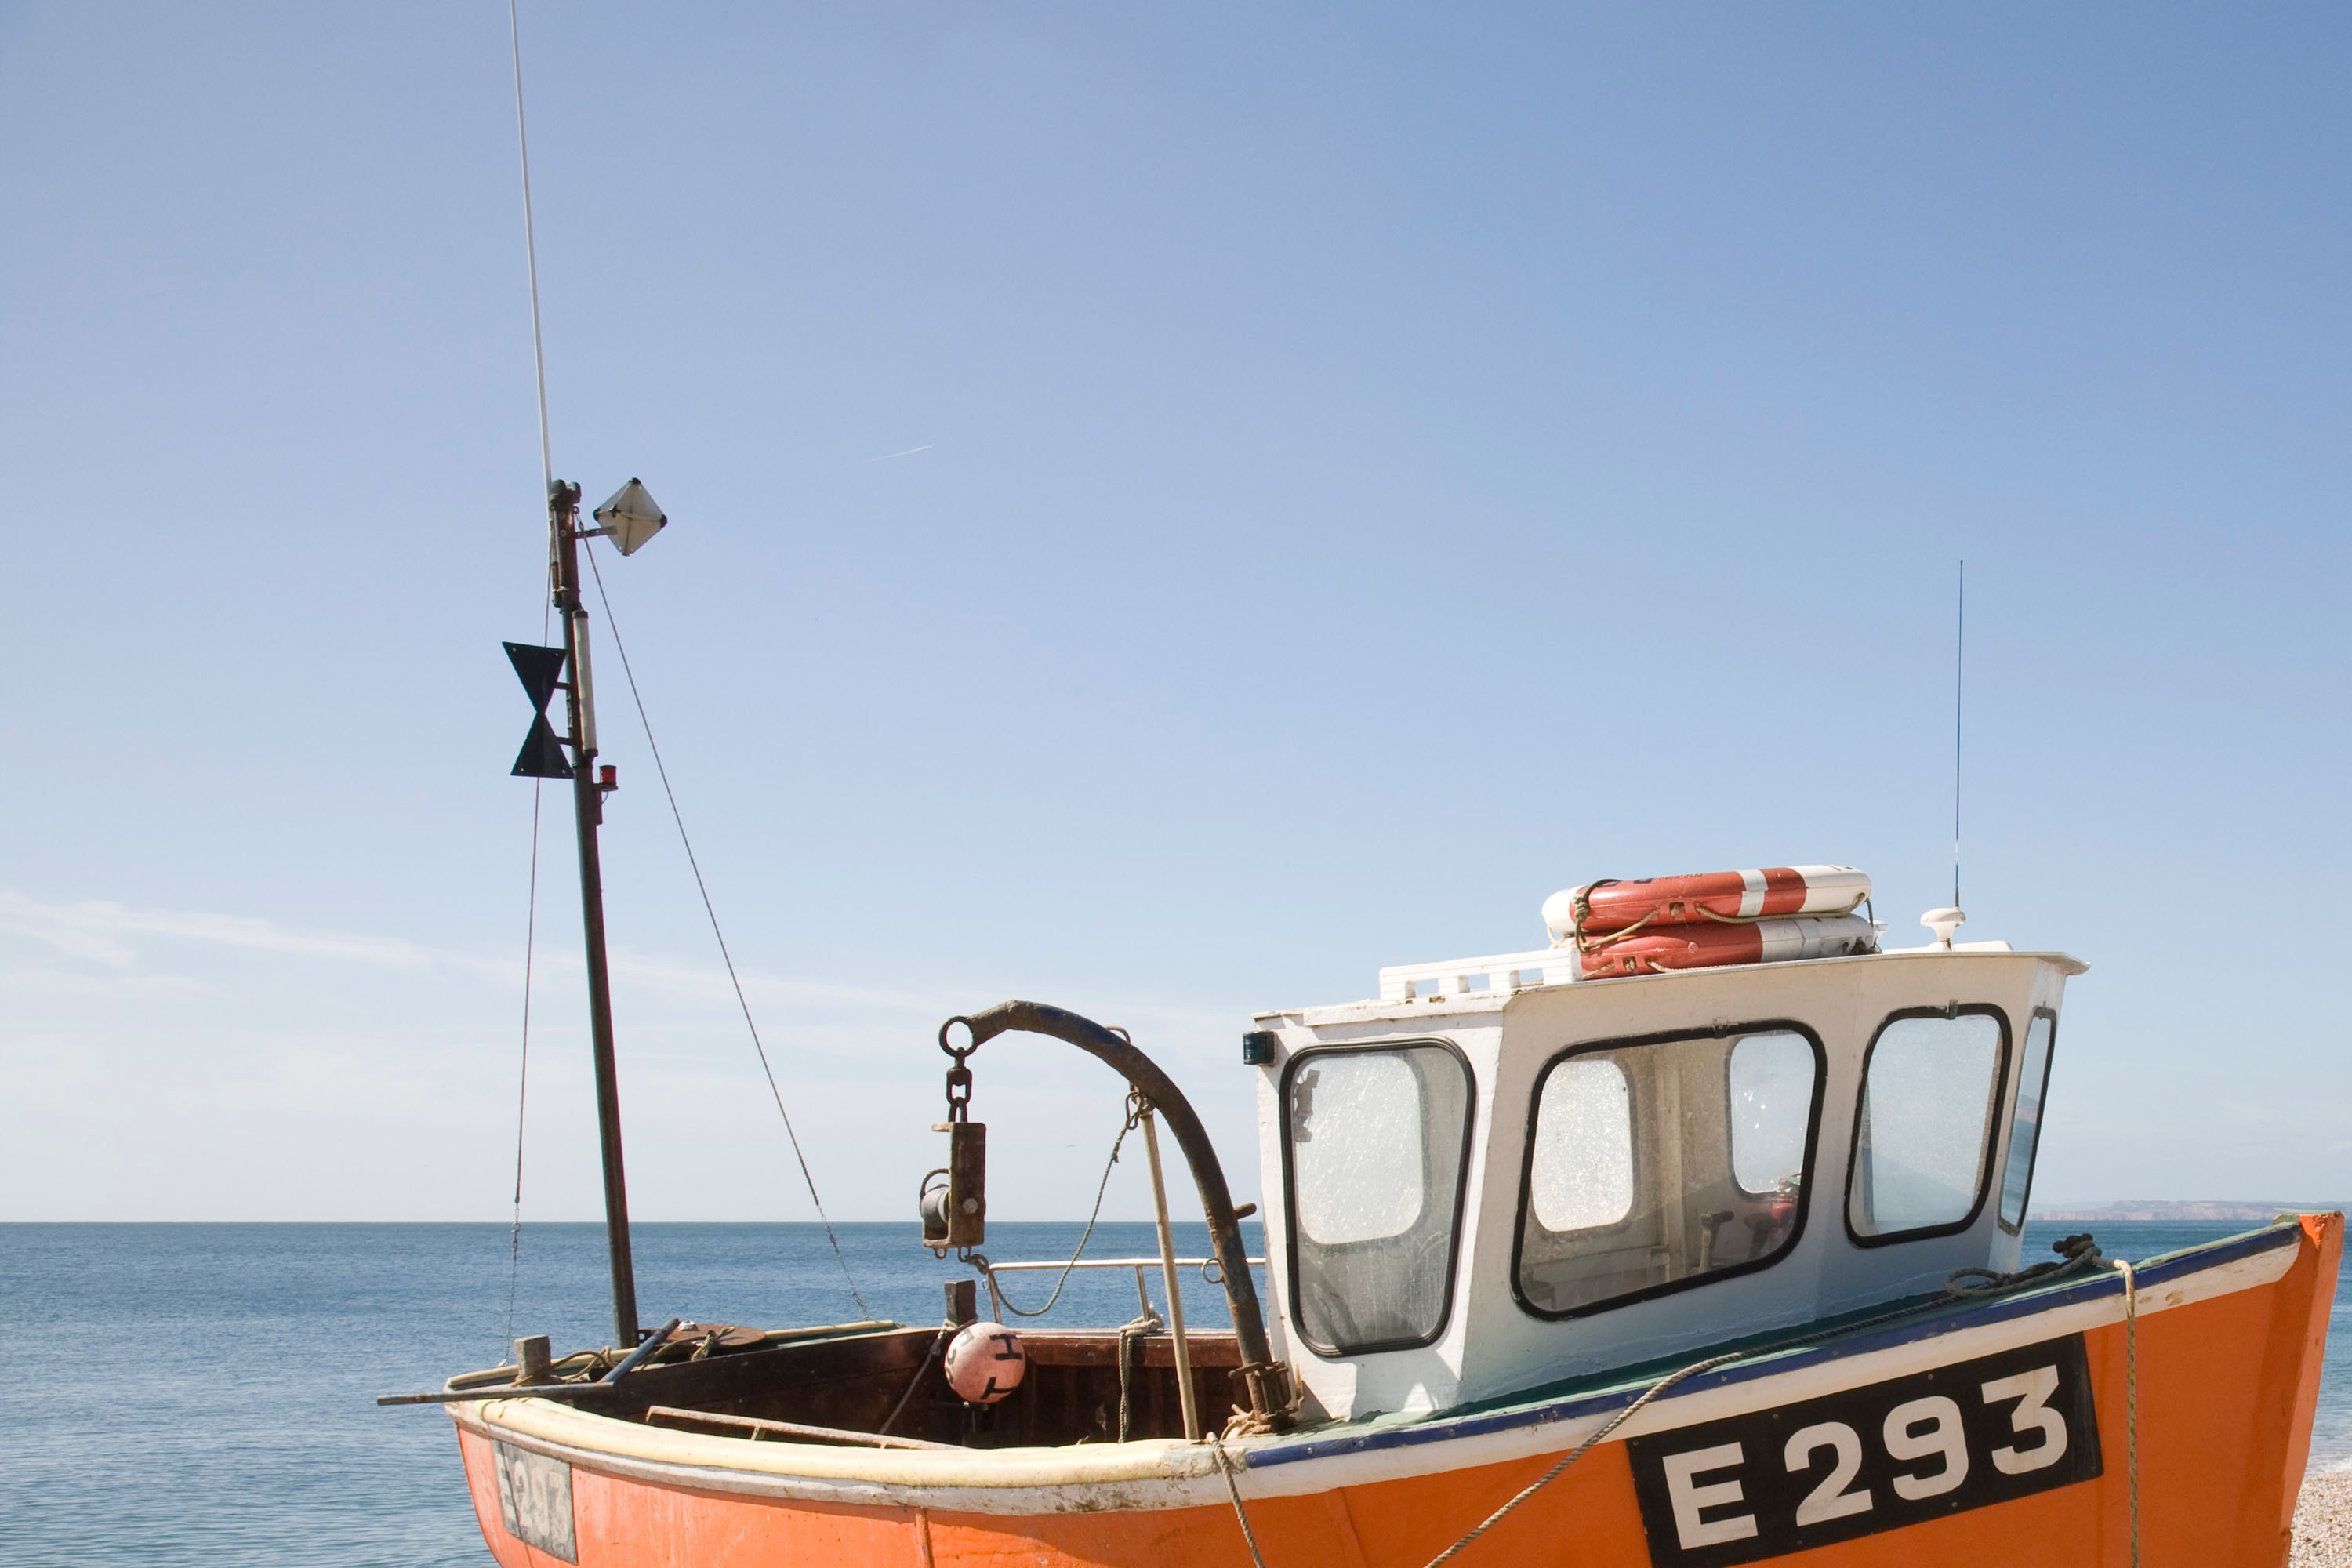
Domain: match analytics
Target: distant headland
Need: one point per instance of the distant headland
(2193, 1212)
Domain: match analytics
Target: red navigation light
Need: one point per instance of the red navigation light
(608, 777)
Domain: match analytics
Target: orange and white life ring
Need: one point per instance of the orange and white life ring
(1599, 908)
(1655, 948)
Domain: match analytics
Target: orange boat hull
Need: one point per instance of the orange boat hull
(2227, 1382)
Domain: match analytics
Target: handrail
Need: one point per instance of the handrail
(1119, 1263)
(1268, 1384)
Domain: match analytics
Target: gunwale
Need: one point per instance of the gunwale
(1167, 1473)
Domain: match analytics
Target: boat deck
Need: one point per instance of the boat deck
(851, 1383)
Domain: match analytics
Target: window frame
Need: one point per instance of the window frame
(1993, 1123)
(1290, 1193)
(2041, 1118)
(1525, 1196)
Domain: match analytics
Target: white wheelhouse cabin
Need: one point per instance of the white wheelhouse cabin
(1490, 1179)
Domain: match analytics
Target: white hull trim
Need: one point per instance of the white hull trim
(1170, 1474)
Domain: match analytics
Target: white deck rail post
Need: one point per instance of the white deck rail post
(1167, 1278)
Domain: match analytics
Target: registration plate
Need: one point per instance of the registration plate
(535, 1499)
(1868, 1460)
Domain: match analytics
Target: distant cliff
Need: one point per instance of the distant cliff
(2196, 1211)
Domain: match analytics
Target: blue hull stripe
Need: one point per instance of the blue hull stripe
(1772, 1363)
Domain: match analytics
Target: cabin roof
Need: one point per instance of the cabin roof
(1455, 988)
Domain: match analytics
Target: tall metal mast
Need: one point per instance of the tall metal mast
(588, 788)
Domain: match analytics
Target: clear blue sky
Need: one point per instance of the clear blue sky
(1377, 466)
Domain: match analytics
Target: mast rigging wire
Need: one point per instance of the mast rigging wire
(547, 473)
(597, 575)
(522, 1083)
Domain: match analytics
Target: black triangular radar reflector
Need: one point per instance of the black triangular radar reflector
(539, 668)
(541, 756)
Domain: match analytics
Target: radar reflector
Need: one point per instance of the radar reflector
(630, 517)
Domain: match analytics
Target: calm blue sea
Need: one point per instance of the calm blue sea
(203, 1394)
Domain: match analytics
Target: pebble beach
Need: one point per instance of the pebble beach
(2323, 1521)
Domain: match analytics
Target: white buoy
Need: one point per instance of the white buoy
(984, 1362)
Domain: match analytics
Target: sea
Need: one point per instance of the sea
(204, 1394)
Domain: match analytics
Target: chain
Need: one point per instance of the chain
(959, 1075)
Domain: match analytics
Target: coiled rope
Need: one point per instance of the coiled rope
(2076, 1254)
(1148, 1323)
(2080, 1255)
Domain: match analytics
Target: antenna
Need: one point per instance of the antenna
(1960, 667)
(530, 250)
(1945, 921)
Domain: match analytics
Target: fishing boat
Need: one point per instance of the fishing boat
(1692, 1236)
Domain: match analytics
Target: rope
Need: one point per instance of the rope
(1589, 942)
(522, 1083)
(2082, 1255)
(939, 1343)
(1133, 1119)
(1579, 1452)
(1225, 1468)
(1129, 1331)
(2131, 1396)
(725, 957)
(1249, 1421)
(2077, 1255)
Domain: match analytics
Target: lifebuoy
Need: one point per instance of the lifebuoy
(1599, 909)
(1654, 950)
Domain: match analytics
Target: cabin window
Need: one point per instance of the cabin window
(1375, 1141)
(1922, 1140)
(1583, 1171)
(1771, 1088)
(2025, 1126)
(1656, 1163)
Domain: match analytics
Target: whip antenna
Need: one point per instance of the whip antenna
(530, 248)
(1945, 921)
(1959, 652)
(547, 473)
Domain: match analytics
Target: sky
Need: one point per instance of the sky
(1172, 510)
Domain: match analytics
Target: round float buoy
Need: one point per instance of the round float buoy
(984, 1362)
(1601, 908)
(1654, 950)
